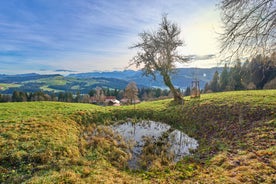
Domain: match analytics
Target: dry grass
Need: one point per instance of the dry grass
(47, 142)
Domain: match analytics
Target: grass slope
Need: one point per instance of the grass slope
(47, 142)
(60, 84)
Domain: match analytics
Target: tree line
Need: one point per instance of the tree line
(100, 93)
(259, 73)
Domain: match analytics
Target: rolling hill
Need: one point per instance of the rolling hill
(49, 142)
(182, 77)
(84, 82)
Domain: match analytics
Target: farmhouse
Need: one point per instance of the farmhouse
(112, 101)
(105, 100)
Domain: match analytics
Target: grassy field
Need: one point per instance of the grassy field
(4, 86)
(48, 142)
(59, 84)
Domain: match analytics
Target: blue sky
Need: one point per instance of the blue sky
(43, 36)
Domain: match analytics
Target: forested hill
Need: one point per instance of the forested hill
(24, 77)
(182, 77)
(84, 82)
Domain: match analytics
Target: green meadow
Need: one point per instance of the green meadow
(4, 86)
(50, 142)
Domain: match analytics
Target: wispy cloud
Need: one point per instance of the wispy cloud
(90, 35)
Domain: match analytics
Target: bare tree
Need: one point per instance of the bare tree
(99, 95)
(131, 92)
(249, 27)
(158, 53)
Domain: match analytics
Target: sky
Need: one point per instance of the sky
(73, 36)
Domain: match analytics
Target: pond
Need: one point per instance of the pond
(154, 141)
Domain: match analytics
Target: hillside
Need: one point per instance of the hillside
(48, 142)
(84, 82)
(182, 77)
(56, 83)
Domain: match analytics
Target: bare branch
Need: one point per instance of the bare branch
(157, 52)
(249, 27)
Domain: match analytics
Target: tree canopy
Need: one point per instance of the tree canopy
(131, 92)
(158, 53)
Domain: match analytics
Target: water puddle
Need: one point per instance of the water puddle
(152, 141)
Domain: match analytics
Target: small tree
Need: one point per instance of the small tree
(158, 53)
(99, 95)
(85, 98)
(131, 92)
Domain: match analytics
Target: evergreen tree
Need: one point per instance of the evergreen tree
(206, 87)
(78, 97)
(235, 77)
(61, 97)
(158, 92)
(245, 74)
(116, 92)
(187, 91)
(92, 92)
(214, 85)
(53, 97)
(224, 78)
(19, 96)
(68, 97)
(15, 96)
(262, 69)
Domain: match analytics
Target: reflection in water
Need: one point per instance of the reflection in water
(176, 143)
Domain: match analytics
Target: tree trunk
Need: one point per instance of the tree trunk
(176, 95)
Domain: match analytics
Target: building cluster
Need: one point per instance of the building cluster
(112, 101)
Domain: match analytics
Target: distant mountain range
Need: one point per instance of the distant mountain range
(23, 77)
(181, 78)
(84, 82)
